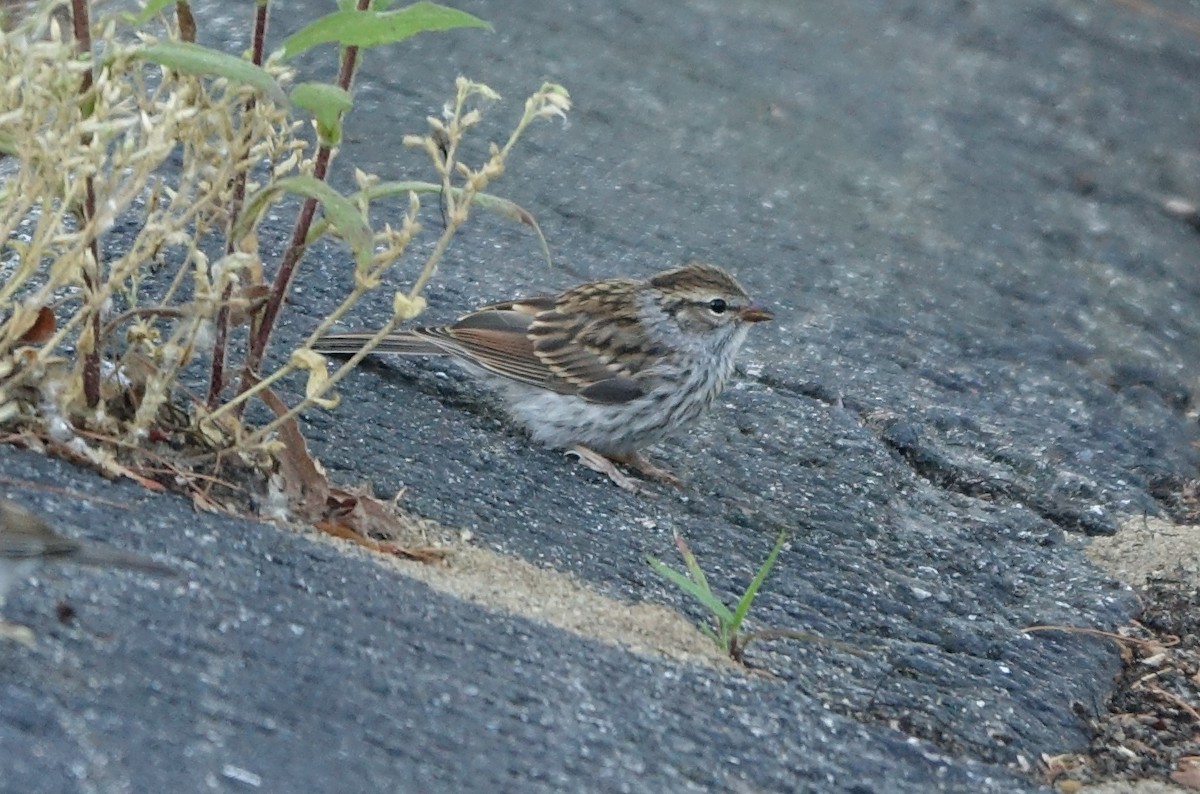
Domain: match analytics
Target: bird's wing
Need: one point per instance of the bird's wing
(495, 338)
(531, 341)
(536, 341)
(584, 342)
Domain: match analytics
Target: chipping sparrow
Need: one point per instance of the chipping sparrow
(603, 369)
(27, 541)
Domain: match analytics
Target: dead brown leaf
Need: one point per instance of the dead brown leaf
(304, 480)
(42, 328)
(425, 554)
(353, 515)
(252, 298)
(201, 501)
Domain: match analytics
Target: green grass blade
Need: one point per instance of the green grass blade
(761, 576)
(692, 588)
(693, 565)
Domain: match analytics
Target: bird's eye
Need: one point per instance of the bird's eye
(717, 306)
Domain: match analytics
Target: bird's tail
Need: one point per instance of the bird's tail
(405, 343)
(104, 556)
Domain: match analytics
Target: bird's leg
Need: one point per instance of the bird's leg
(637, 462)
(604, 465)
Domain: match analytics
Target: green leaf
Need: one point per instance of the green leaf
(152, 8)
(352, 28)
(485, 201)
(194, 59)
(327, 103)
(761, 576)
(701, 594)
(693, 565)
(340, 212)
(513, 211)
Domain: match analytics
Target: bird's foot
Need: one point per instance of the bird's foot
(603, 464)
(639, 463)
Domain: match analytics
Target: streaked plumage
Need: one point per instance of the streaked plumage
(612, 365)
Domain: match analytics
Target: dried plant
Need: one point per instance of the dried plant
(129, 213)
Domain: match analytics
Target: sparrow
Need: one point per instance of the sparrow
(26, 542)
(604, 369)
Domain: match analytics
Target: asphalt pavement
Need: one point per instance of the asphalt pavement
(984, 352)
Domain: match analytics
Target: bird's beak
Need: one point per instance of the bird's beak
(755, 314)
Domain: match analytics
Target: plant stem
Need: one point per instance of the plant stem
(216, 380)
(186, 22)
(82, 28)
(283, 278)
(261, 433)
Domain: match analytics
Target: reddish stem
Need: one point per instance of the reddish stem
(216, 380)
(287, 267)
(91, 276)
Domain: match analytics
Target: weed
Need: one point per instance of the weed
(728, 633)
(128, 125)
